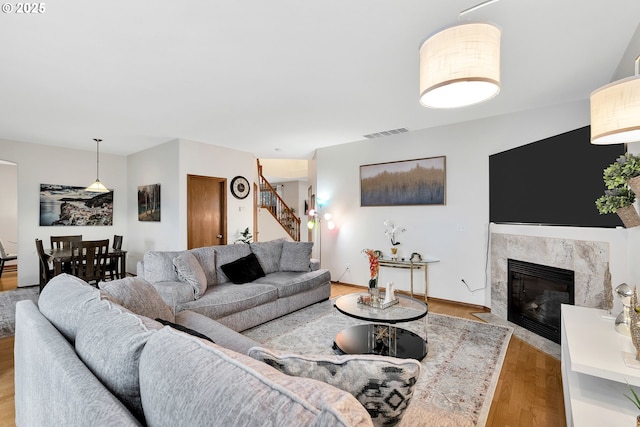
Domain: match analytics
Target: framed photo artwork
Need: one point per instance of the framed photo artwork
(149, 203)
(66, 205)
(403, 183)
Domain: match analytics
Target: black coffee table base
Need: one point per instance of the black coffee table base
(384, 340)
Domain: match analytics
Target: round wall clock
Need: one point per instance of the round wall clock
(240, 187)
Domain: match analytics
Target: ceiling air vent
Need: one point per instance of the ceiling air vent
(386, 133)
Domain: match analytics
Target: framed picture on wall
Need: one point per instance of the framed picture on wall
(407, 182)
(149, 202)
(66, 205)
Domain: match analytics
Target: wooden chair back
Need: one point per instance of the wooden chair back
(64, 242)
(88, 259)
(46, 273)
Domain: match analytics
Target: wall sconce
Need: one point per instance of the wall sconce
(460, 65)
(615, 111)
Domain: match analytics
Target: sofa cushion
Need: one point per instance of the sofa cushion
(268, 254)
(206, 256)
(227, 253)
(63, 302)
(289, 283)
(227, 298)
(158, 266)
(189, 271)
(243, 270)
(216, 385)
(296, 256)
(138, 296)
(110, 340)
(383, 385)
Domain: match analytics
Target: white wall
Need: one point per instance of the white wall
(634, 238)
(9, 208)
(456, 233)
(41, 164)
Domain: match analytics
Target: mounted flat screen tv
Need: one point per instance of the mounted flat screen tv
(554, 181)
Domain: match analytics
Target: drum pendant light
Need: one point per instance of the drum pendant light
(615, 111)
(97, 186)
(460, 66)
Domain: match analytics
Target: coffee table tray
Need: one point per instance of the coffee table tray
(366, 300)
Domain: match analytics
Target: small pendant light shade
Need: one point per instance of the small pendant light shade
(460, 66)
(97, 186)
(615, 112)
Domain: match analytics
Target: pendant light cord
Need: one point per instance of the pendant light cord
(97, 158)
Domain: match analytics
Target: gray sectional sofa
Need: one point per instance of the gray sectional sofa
(82, 358)
(196, 280)
(104, 357)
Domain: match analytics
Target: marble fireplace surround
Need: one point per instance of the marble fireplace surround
(589, 260)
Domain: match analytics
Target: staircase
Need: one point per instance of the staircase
(271, 201)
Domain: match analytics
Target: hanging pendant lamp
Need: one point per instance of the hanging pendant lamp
(460, 66)
(97, 186)
(615, 111)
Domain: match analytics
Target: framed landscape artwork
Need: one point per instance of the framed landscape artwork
(74, 206)
(408, 182)
(149, 202)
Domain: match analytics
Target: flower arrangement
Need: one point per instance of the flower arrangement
(374, 266)
(391, 231)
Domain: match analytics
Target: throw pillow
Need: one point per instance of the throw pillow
(158, 266)
(243, 270)
(110, 340)
(296, 256)
(190, 271)
(383, 385)
(138, 296)
(184, 329)
(268, 254)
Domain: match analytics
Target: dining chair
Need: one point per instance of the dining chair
(111, 268)
(4, 257)
(88, 259)
(46, 273)
(64, 242)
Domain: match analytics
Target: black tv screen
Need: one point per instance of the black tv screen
(554, 181)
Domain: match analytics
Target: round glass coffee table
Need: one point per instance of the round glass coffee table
(382, 336)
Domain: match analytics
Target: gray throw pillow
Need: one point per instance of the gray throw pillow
(139, 296)
(268, 254)
(383, 385)
(110, 340)
(296, 256)
(190, 271)
(158, 266)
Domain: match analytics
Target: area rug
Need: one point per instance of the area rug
(531, 338)
(8, 301)
(459, 373)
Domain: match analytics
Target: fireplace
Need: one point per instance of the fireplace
(535, 293)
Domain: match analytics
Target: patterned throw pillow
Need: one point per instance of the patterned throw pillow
(383, 385)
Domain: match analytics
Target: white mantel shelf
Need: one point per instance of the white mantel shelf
(594, 374)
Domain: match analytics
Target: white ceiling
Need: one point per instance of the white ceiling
(278, 78)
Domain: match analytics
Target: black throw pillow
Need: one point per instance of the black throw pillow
(184, 329)
(243, 270)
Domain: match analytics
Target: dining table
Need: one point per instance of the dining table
(58, 256)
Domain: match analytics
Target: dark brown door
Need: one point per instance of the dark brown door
(206, 211)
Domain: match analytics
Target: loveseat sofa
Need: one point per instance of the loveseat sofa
(239, 285)
(104, 357)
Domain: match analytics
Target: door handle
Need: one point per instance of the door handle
(219, 236)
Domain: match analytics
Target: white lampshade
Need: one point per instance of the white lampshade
(615, 112)
(460, 66)
(97, 187)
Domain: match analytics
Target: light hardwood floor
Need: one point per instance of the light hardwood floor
(529, 391)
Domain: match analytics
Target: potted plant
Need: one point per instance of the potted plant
(624, 171)
(619, 200)
(619, 197)
(635, 400)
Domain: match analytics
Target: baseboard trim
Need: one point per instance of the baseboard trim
(421, 296)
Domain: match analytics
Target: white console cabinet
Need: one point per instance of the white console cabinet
(594, 374)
